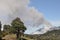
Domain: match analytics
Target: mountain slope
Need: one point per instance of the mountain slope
(50, 35)
(43, 30)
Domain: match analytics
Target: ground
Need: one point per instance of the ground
(13, 37)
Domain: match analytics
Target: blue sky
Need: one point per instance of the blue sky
(49, 8)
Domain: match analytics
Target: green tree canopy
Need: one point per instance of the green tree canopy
(6, 27)
(17, 23)
(18, 26)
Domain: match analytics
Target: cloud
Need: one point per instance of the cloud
(10, 9)
(42, 30)
(48, 27)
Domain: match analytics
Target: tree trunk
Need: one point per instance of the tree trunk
(0, 38)
(18, 31)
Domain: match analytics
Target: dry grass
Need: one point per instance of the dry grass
(13, 37)
(10, 37)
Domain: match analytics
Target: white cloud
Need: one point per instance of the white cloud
(10, 9)
(48, 27)
(42, 31)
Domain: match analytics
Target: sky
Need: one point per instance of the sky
(32, 12)
(10, 9)
(49, 8)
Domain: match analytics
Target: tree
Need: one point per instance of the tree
(0, 32)
(0, 26)
(6, 30)
(18, 27)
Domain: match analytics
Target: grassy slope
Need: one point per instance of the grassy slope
(50, 35)
(13, 37)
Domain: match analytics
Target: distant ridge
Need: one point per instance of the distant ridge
(42, 31)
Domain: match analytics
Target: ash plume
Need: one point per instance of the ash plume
(10, 9)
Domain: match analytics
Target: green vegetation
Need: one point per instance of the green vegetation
(17, 27)
(50, 35)
(0, 32)
(16, 30)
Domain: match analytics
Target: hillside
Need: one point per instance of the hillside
(50, 35)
